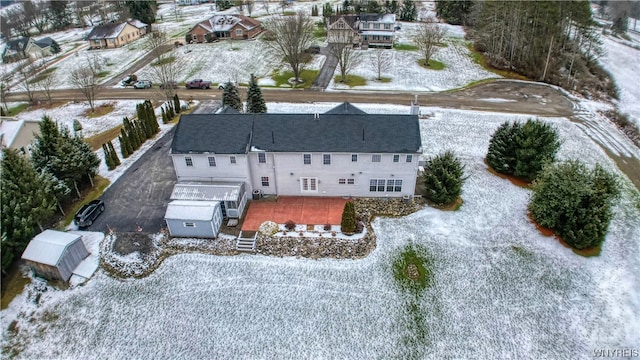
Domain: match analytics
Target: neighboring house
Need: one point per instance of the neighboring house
(343, 152)
(199, 219)
(18, 134)
(15, 50)
(54, 254)
(41, 48)
(115, 35)
(221, 27)
(373, 30)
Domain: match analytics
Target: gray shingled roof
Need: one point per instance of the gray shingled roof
(44, 42)
(358, 133)
(345, 108)
(107, 31)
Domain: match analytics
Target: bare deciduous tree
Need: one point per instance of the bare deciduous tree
(4, 91)
(342, 49)
(249, 6)
(24, 72)
(45, 82)
(380, 61)
(86, 78)
(166, 65)
(428, 37)
(265, 6)
(291, 36)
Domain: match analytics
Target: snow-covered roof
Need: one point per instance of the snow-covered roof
(47, 247)
(137, 23)
(10, 128)
(208, 192)
(110, 31)
(227, 22)
(191, 210)
(379, 18)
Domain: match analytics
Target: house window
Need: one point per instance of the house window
(376, 185)
(386, 38)
(232, 159)
(309, 184)
(354, 157)
(387, 26)
(194, 37)
(376, 158)
(342, 181)
(382, 185)
(398, 186)
(396, 158)
(262, 158)
(365, 37)
(409, 158)
(376, 26)
(188, 160)
(326, 159)
(351, 181)
(306, 158)
(390, 184)
(189, 224)
(212, 161)
(112, 41)
(239, 32)
(265, 181)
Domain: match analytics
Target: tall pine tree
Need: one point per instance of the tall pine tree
(231, 96)
(176, 103)
(255, 101)
(443, 178)
(114, 155)
(348, 223)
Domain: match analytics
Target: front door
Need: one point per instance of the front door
(308, 185)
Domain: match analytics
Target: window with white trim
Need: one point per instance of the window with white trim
(212, 160)
(265, 181)
(306, 159)
(326, 159)
(189, 224)
(262, 158)
(232, 159)
(188, 160)
(238, 32)
(308, 184)
(354, 157)
(409, 158)
(396, 158)
(376, 158)
(385, 185)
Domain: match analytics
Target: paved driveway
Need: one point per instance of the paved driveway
(140, 195)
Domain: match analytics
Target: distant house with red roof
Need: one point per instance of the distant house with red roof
(221, 27)
(116, 34)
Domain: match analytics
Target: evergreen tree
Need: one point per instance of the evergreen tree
(56, 187)
(46, 144)
(327, 11)
(314, 10)
(176, 103)
(443, 178)
(231, 97)
(348, 223)
(408, 11)
(151, 117)
(77, 126)
(373, 7)
(255, 101)
(139, 132)
(142, 120)
(55, 47)
(26, 204)
(74, 160)
(126, 142)
(143, 10)
(454, 12)
(108, 159)
(172, 112)
(523, 150)
(113, 153)
(575, 202)
(164, 115)
(123, 147)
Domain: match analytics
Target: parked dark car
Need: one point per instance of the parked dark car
(88, 213)
(313, 49)
(169, 85)
(129, 80)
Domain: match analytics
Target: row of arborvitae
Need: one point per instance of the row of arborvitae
(569, 198)
(170, 109)
(133, 134)
(255, 101)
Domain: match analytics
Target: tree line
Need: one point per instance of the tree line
(37, 17)
(60, 166)
(556, 42)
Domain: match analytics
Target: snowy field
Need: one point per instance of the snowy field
(500, 290)
(622, 62)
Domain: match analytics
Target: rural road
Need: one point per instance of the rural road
(499, 96)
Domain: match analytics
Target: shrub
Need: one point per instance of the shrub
(359, 227)
(290, 225)
(268, 228)
(348, 223)
(575, 202)
(522, 150)
(443, 178)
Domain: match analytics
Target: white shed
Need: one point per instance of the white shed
(199, 219)
(55, 254)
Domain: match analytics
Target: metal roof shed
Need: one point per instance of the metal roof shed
(198, 219)
(55, 254)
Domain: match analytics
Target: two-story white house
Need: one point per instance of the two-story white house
(364, 30)
(343, 152)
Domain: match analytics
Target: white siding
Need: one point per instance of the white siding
(259, 170)
(201, 171)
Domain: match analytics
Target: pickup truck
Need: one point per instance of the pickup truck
(198, 84)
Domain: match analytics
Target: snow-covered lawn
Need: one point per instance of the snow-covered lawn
(500, 289)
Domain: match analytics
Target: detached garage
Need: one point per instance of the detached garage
(55, 254)
(197, 219)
